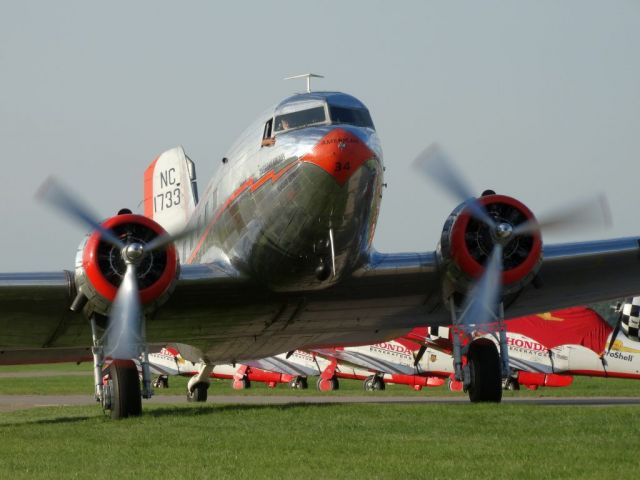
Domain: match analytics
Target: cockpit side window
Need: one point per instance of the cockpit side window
(359, 117)
(303, 118)
(267, 137)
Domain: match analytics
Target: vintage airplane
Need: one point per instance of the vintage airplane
(168, 362)
(277, 255)
(548, 349)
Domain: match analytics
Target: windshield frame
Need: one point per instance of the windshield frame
(326, 120)
(354, 109)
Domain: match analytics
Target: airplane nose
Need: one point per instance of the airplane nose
(340, 153)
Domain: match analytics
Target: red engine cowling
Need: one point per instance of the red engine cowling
(466, 244)
(100, 267)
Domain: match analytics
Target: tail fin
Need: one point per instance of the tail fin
(170, 190)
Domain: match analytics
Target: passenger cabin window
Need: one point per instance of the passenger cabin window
(267, 137)
(303, 118)
(358, 117)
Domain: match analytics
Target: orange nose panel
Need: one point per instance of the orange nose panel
(340, 154)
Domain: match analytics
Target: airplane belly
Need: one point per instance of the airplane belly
(283, 232)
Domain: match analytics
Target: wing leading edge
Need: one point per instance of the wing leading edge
(228, 317)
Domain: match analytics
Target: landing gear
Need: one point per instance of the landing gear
(198, 393)
(485, 376)
(511, 384)
(327, 384)
(485, 368)
(121, 390)
(117, 387)
(299, 383)
(374, 383)
(199, 384)
(161, 382)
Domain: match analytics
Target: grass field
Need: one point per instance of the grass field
(319, 441)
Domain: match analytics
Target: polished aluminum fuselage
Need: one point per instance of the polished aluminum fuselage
(277, 217)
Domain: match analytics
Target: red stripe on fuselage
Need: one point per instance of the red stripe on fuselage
(339, 153)
(248, 184)
(148, 189)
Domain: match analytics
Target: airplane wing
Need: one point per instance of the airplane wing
(229, 318)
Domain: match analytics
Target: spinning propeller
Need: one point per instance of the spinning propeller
(484, 295)
(124, 335)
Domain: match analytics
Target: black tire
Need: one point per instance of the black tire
(161, 382)
(198, 393)
(336, 384)
(511, 384)
(126, 400)
(299, 383)
(484, 369)
(378, 384)
(368, 383)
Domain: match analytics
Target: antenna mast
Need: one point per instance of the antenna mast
(308, 76)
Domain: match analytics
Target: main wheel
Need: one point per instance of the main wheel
(161, 382)
(378, 384)
(123, 386)
(327, 384)
(484, 369)
(511, 384)
(198, 393)
(299, 383)
(373, 383)
(368, 383)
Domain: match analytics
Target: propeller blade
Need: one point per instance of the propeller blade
(53, 193)
(593, 211)
(482, 301)
(437, 165)
(419, 355)
(123, 336)
(166, 239)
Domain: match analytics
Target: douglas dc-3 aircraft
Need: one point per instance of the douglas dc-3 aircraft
(277, 255)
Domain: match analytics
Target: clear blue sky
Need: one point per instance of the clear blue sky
(539, 100)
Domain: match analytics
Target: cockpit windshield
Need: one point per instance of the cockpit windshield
(299, 119)
(358, 117)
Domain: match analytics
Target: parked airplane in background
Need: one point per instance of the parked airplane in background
(277, 255)
(549, 348)
(545, 350)
(168, 362)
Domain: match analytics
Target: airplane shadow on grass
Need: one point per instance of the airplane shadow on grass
(168, 411)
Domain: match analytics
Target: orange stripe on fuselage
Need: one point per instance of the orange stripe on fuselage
(148, 189)
(247, 184)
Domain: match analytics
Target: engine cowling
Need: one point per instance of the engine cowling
(100, 267)
(466, 244)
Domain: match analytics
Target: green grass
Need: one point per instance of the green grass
(318, 441)
(66, 385)
(322, 441)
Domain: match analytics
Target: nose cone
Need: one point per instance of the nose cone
(340, 153)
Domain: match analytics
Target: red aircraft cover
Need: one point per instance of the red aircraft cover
(571, 326)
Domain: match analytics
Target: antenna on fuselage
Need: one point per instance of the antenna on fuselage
(308, 76)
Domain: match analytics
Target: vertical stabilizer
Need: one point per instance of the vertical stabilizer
(170, 190)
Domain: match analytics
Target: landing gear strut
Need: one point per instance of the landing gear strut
(117, 386)
(484, 370)
(199, 384)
